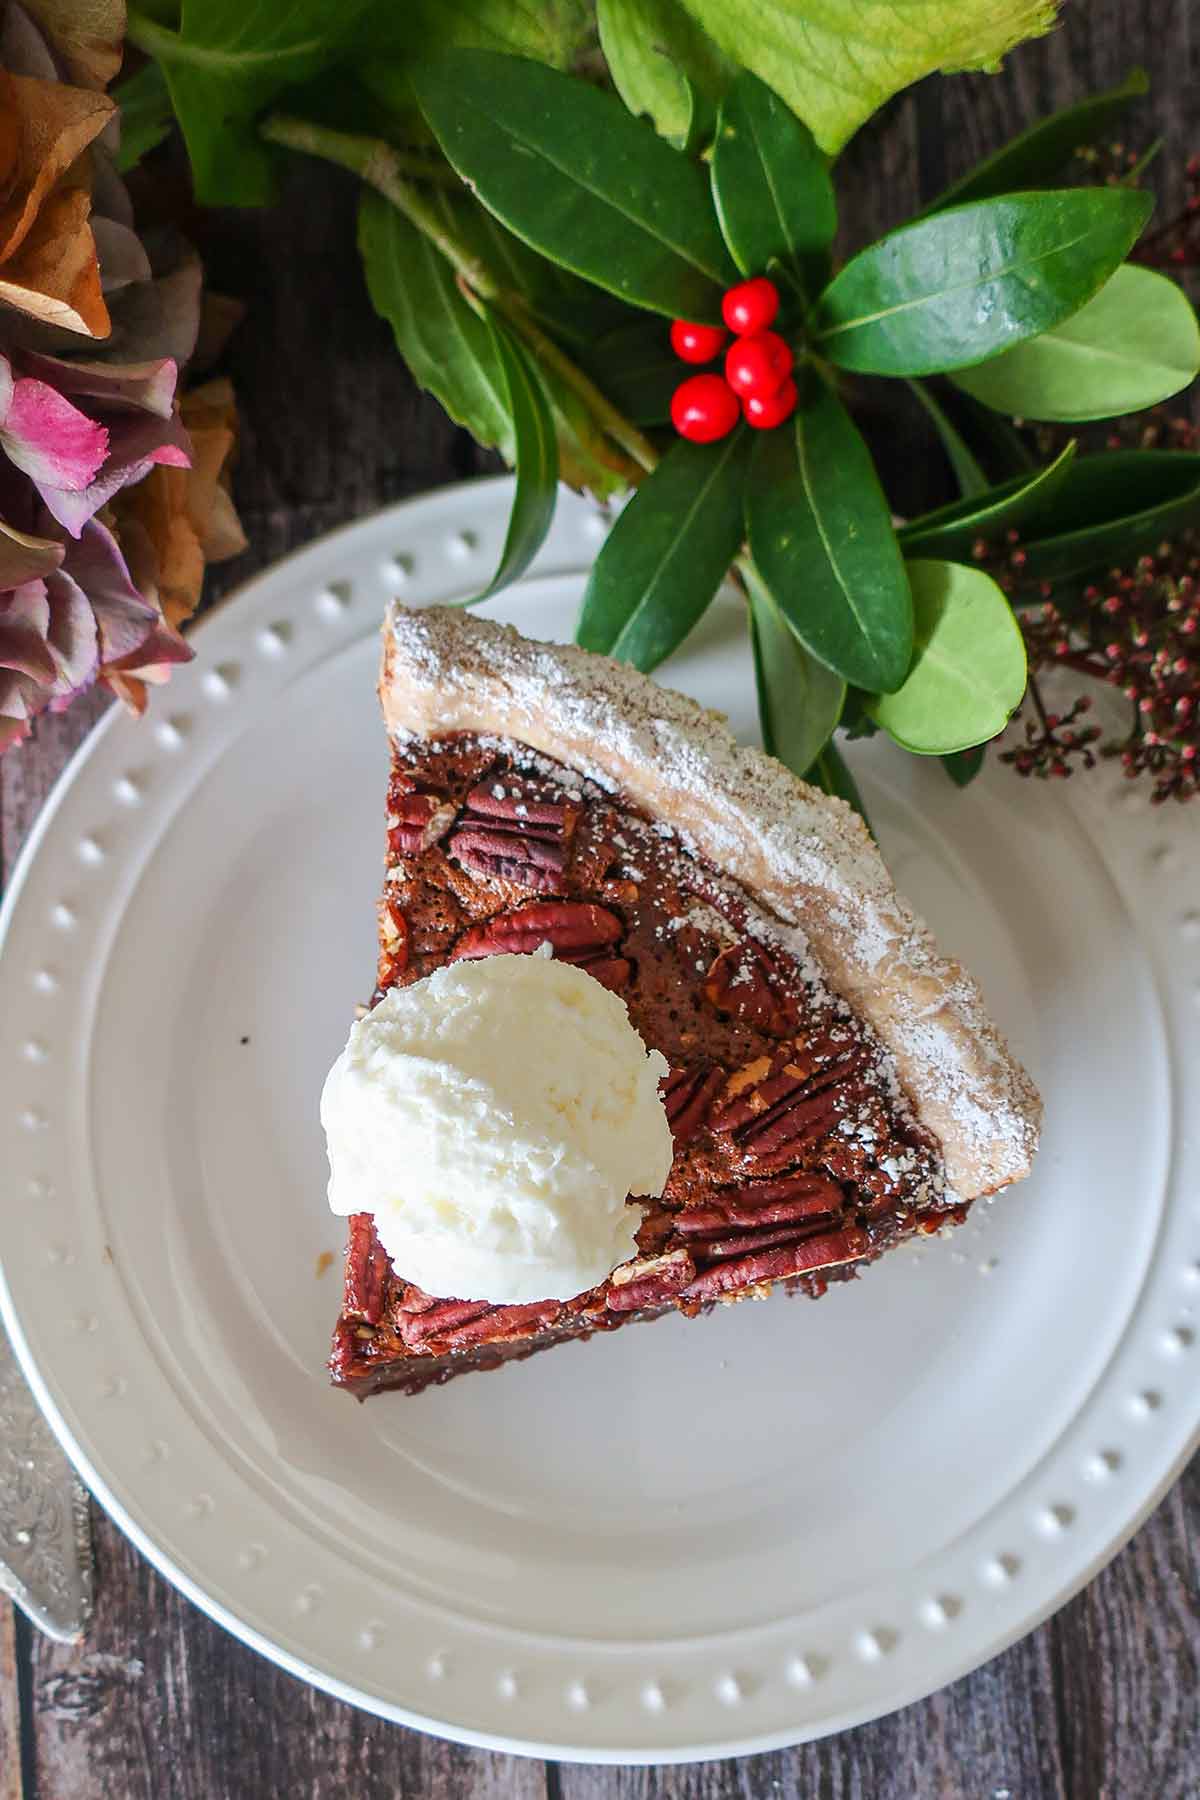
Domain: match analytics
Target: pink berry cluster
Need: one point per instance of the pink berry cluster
(757, 382)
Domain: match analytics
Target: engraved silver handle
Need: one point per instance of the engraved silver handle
(45, 1537)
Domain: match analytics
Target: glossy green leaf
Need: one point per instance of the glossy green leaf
(572, 173)
(771, 184)
(830, 772)
(821, 535)
(835, 62)
(952, 531)
(1113, 507)
(225, 63)
(662, 64)
(1135, 343)
(968, 670)
(799, 699)
(636, 368)
(1047, 147)
(967, 283)
(146, 114)
(576, 311)
(448, 348)
(536, 459)
(962, 766)
(667, 554)
(967, 471)
(550, 31)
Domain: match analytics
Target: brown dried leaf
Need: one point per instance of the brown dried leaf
(88, 35)
(49, 127)
(55, 276)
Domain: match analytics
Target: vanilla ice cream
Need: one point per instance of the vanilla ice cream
(494, 1118)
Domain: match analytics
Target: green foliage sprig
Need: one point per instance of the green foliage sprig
(535, 212)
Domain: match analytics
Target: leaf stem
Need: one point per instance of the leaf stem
(382, 167)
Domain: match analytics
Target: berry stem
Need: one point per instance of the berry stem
(383, 168)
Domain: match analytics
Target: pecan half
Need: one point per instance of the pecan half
(745, 982)
(516, 830)
(440, 1319)
(687, 1095)
(367, 1266)
(780, 1264)
(792, 1105)
(649, 1281)
(418, 820)
(499, 1323)
(576, 930)
(753, 1205)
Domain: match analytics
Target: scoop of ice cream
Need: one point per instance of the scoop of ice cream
(494, 1118)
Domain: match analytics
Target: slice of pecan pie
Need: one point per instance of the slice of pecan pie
(836, 1085)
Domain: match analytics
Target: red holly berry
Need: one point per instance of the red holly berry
(750, 306)
(765, 411)
(694, 343)
(704, 408)
(758, 365)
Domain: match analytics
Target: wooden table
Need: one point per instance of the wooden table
(1101, 1702)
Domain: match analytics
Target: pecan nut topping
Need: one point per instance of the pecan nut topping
(516, 830)
(687, 1095)
(417, 821)
(650, 1281)
(577, 931)
(780, 1264)
(367, 1268)
(745, 982)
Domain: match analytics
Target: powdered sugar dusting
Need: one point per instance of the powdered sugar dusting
(805, 855)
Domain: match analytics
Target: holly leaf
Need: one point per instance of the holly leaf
(962, 285)
(667, 554)
(799, 700)
(662, 64)
(771, 185)
(968, 669)
(536, 457)
(962, 766)
(1112, 508)
(225, 63)
(447, 346)
(821, 535)
(967, 470)
(1135, 343)
(572, 173)
(835, 62)
(146, 114)
(1042, 151)
(952, 531)
(830, 773)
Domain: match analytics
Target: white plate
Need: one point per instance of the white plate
(685, 1541)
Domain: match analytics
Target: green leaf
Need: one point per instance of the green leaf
(448, 348)
(572, 173)
(967, 471)
(536, 458)
(1114, 507)
(967, 283)
(799, 699)
(962, 766)
(1039, 153)
(636, 368)
(953, 530)
(968, 672)
(667, 554)
(771, 184)
(835, 62)
(662, 64)
(550, 31)
(146, 115)
(1135, 343)
(829, 772)
(821, 535)
(227, 61)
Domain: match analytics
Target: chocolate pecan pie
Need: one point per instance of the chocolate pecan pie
(835, 1085)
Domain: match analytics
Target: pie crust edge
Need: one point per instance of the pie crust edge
(807, 856)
